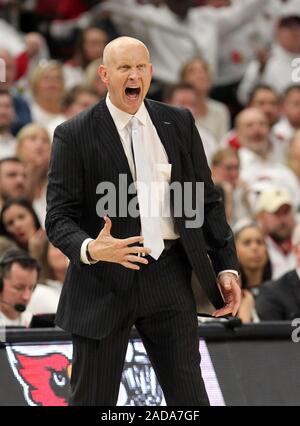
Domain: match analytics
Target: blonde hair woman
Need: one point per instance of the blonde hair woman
(93, 79)
(33, 148)
(47, 88)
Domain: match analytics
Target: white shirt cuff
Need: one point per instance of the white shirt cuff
(229, 270)
(83, 256)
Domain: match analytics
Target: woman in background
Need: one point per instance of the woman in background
(255, 266)
(19, 221)
(33, 148)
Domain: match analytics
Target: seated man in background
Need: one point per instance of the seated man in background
(266, 99)
(276, 217)
(13, 179)
(280, 299)
(7, 113)
(18, 277)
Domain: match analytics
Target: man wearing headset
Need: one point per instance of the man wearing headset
(18, 277)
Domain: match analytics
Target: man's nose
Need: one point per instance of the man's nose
(20, 179)
(133, 74)
(26, 295)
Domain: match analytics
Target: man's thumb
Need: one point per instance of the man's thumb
(107, 226)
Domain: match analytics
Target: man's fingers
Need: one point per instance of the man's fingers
(138, 259)
(231, 307)
(133, 240)
(137, 249)
(130, 265)
(223, 311)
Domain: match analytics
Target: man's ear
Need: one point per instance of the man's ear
(102, 71)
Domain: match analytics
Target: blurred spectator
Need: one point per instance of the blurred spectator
(92, 78)
(22, 112)
(280, 300)
(15, 45)
(90, 46)
(210, 114)
(266, 99)
(262, 157)
(253, 133)
(66, 16)
(176, 31)
(254, 263)
(7, 114)
(47, 85)
(238, 48)
(6, 244)
(33, 148)
(75, 101)
(225, 167)
(293, 157)
(259, 178)
(19, 221)
(290, 121)
(19, 274)
(13, 179)
(276, 67)
(54, 266)
(275, 215)
(184, 95)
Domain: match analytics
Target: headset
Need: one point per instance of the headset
(15, 255)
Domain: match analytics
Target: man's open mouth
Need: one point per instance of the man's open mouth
(132, 92)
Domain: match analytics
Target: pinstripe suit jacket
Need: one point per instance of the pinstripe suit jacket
(86, 151)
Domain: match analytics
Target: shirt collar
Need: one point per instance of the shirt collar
(122, 118)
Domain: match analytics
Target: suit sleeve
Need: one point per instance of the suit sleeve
(268, 305)
(217, 233)
(65, 196)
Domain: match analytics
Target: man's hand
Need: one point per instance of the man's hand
(109, 249)
(231, 291)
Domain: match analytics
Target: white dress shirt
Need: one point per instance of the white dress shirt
(161, 170)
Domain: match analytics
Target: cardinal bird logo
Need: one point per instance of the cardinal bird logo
(45, 377)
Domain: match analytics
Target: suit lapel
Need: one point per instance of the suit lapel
(110, 138)
(167, 134)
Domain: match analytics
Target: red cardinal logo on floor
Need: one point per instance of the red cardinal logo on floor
(45, 377)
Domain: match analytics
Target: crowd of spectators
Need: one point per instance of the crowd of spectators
(235, 64)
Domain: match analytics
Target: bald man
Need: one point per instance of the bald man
(135, 269)
(258, 147)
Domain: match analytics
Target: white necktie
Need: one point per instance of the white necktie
(147, 197)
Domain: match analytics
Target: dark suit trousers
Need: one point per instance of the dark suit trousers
(162, 308)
